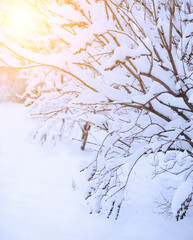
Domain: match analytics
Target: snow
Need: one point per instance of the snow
(122, 52)
(181, 195)
(41, 188)
(57, 60)
(88, 35)
(191, 99)
(38, 199)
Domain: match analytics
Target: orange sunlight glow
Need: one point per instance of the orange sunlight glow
(21, 21)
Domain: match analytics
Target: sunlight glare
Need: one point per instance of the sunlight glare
(22, 21)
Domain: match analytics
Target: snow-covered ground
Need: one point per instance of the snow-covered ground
(37, 201)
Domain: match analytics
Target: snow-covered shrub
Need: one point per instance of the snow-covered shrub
(182, 199)
(128, 67)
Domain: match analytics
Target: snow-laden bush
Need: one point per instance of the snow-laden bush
(128, 68)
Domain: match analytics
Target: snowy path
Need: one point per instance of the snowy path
(37, 201)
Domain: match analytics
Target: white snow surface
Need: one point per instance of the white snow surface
(38, 202)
